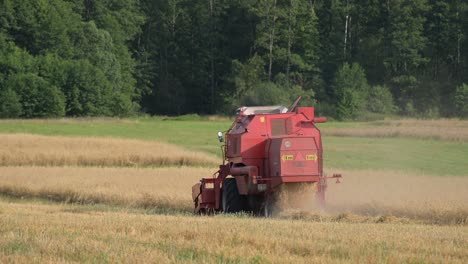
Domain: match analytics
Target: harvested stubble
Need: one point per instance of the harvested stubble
(363, 196)
(26, 149)
(441, 129)
(32, 232)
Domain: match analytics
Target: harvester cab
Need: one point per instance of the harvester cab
(265, 149)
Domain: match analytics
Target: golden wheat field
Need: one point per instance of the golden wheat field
(167, 188)
(32, 232)
(85, 199)
(442, 129)
(26, 149)
(425, 199)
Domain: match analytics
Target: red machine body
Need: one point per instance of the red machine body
(264, 148)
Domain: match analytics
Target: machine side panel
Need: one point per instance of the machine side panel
(247, 139)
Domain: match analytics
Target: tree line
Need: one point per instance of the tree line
(349, 58)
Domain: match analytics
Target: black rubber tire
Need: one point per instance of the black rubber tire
(267, 208)
(232, 201)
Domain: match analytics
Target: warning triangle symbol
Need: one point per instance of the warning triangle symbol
(299, 156)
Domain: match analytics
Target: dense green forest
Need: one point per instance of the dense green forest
(349, 58)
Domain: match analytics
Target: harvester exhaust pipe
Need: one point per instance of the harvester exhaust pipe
(293, 106)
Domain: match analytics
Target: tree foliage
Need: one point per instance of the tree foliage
(60, 61)
(120, 57)
(10, 106)
(351, 89)
(380, 100)
(461, 100)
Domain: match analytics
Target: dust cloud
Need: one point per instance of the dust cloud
(373, 193)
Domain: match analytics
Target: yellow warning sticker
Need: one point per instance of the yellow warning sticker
(287, 157)
(262, 119)
(311, 157)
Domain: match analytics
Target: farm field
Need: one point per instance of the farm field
(423, 150)
(39, 232)
(107, 190)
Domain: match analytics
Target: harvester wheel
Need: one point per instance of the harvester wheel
(267, 207)
(232, 201)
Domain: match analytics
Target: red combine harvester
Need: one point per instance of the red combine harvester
(266, 148)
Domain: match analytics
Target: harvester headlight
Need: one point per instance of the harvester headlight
(220, 136)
